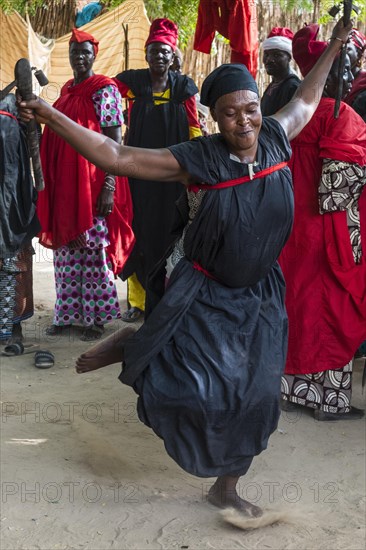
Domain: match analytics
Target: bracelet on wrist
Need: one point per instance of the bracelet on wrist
(336, 38)
(109, 183)
(109, 187)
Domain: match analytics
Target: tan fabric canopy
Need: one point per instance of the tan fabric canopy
(13, 45)
(108, 29)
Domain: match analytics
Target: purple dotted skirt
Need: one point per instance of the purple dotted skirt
(85, 289)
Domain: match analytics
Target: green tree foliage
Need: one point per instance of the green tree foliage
(302, 5)
(182, 12)
(322, 7)
(21, 6)
(326, 5)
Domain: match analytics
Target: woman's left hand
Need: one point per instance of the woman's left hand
(341, 31)
(105, 202)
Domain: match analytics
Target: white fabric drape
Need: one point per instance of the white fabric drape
(39, 51)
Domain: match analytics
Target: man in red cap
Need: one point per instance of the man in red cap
(277, 54)
(85, 213)
(162, 112)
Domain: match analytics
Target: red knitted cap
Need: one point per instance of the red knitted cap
(281, 31)
(165, 31)
(280, 38)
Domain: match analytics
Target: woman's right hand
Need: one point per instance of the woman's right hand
(34, 109)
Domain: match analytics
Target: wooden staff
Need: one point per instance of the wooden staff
(23, 79)
(347, 8)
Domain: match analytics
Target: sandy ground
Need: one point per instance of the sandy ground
(80, 471)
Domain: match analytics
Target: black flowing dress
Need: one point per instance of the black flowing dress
(18, 219)
(207, 363)
(154, 126)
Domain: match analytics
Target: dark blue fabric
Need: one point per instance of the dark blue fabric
(207, 363)
(18, 218)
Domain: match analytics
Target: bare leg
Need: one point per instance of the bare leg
(224, 495)
(107, 352)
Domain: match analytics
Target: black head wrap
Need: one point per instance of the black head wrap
(226, 79)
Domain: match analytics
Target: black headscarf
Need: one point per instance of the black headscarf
(226, 79)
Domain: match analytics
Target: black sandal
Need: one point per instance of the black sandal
(18, 348)
(44, 359)
(15, 348)
(132, 315)
(353, 414)
(92, 333)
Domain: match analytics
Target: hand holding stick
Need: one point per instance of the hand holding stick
(347, 9)
(23, 78)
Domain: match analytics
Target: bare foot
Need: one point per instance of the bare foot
(224, 495)
(107, 352)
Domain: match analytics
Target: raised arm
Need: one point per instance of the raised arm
(296, 114)
(151, 164)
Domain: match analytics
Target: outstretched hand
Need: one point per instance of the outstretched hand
(37, 109)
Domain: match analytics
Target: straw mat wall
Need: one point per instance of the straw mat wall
(13, 45)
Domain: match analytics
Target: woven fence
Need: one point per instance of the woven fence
(55, 18)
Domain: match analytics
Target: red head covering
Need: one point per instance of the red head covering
(358, 39)
(165, 31)
(306, 49)
(81, 36)
(281, 31)
(280, 38)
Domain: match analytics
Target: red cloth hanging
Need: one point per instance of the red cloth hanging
(236, 20)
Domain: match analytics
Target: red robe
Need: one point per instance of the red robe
(236, 20)
(72, 184)
(326, 290)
